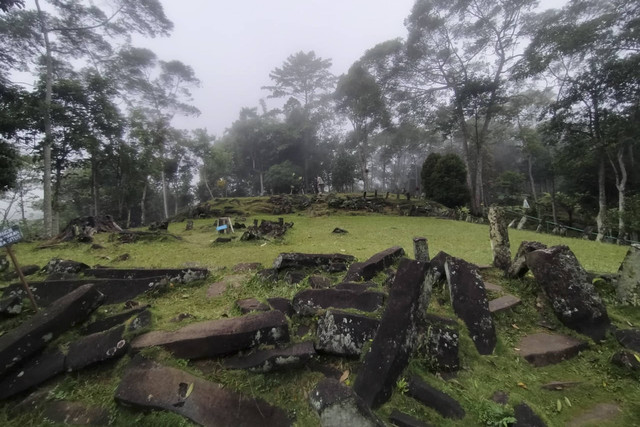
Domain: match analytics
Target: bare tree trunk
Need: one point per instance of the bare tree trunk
(94, 187)
(165, 202)
(553, 200)
(533, 185)
(48, 138)
(620, 171)
(477, 198)
(143, 202)
(128, 217)
(206, 184)
(602, 201)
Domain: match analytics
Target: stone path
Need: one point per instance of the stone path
(546, 349)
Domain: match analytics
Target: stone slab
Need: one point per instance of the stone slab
(338, 406)
(32, 373)
(281, 304)
(11, 306)
(297, 260)
(401, 419)
(248, 305)
(546, 349)
(470, 303)
(629, 338)
(519, 266)
(148, 385)
(368, 269)
(113, 320)
(277, 359)
(503, 303)
(36, 332)
(355, 286)
(221, 337)
(526, 417)
(96, 348)
(435, 399)
(174, 275)
(396, 337)
(75, 413)
(344, 334)
(438, 343)
(309, 301)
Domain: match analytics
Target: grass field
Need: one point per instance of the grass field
(480, 377)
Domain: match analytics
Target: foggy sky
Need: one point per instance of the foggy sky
(233, 46)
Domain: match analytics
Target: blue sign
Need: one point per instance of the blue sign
(9, 236)
(222, 227)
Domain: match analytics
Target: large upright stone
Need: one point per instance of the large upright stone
(338, 406)
(36, 332)
(296, 260)
(219, 337)
(367, 270)
(396, 336)
(470, 303)
(628, 285)
(519, 266)
(573, 298)
(310, 301)
(421, 249)
(344, 334)
(149, 385)
(499, 235)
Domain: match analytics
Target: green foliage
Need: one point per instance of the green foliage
(343, 171)
(444, 179)
(510, 184)
(495, 415)
(283, 177)
(8, 166)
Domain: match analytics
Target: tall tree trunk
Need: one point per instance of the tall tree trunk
(602, 201)
(620, 171)
(478, 196)
(206, 184)
(95, 187)
(165, 202)
(48, 134)
(128, 217)
(467, 157)
(533, 185)
(554, 211)
(143, 202)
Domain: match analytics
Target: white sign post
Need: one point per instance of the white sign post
(8, 237)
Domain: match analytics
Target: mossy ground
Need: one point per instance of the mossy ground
(480, 377)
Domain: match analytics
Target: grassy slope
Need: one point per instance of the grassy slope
(475, 384)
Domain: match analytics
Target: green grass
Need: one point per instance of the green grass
(480, 377)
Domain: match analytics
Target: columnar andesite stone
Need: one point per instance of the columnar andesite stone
(309, 301)
(35, 333)
(546, 349)
(572, 296)
(338, 406)
(396, 336)
(275, 359)
(295, 260)
(344, 334)
(628, 286)
(421, 249)
(499, 235)
(377, 263)
(519, 266)
(429, 396)
(438, 344)
(470, 303)
(219, 337)
(149, 385)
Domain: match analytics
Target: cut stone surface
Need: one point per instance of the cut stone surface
(111, 321)
(11, 306)
(436, 266)
(174, 275)
(344, 334)
(438, 343)
(319, 282)
(628, 283)
(219, 337)
(401, 419)
(503, 303)
(355, 286)
(525, 417)
(251, 304)
(546, 349)
(281, 304)
(470, 303)
(68, 266)
(397, 335)
(338, 406)
(377, 263)
(309, 301)
(294, 277)
(273, 360)
(149, 385)
(499, 236)
(601, 413)
(572, 296)
(519, 266)
(34, 372)
(96, 348)
(629, 338)
(421, 249)
(74, 413)
(296, 260)
(493, 288)
(114, 290)
(433, 398)
(36, 332)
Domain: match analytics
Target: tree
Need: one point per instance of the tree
(283, 177)
(591, 49)
(458, 55)
(306, 79)
(343, 171)
(71, 29)
(444, 179)
(359, 98)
